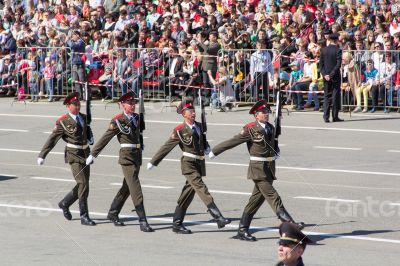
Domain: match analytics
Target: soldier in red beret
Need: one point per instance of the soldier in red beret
(126, 127)
(72, 127)
(259, 137)
(189, 136)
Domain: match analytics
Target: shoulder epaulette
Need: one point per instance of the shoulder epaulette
(179, 127)
(252, 124)
(117, 116)
(62, 117)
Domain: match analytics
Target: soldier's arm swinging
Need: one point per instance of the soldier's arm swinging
(165, 149)
(105, 139)
(243, 136)
(52, 140)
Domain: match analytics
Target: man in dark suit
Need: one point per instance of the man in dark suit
(258, 136)
(209, 51)
(172, 70)
(191, 139)
(72, 127)
(329, 63)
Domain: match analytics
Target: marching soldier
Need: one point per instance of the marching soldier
(126, 127)
(259, 138)
(188, 136)
(72, 128)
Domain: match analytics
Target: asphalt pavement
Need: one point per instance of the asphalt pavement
(341, 179)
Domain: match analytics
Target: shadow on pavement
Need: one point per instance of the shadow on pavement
(6, 177)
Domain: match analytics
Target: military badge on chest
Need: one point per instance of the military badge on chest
(123, 127)
(185, 137)
(256, 135)
(69, 128)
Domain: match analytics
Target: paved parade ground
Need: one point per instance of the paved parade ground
(341, 179)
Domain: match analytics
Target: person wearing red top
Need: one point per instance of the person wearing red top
(310, 7)
(329, 16)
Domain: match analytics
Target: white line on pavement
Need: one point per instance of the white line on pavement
(13, 130)
(336, 148)
(230, 192)
(393, 151)
(236, 164)
(345, 129)
(327, 199)
(394, 204)
(221, 124)
(147, 186)
(52, 179)
(232, 226)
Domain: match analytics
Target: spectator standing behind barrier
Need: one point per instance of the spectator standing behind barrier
(172, 69)
(295, 76)
(49, 71)
(209, 50)
(350, 79)
(330, 63)
(241, 70)
(316, 79)
(120, 71)
(260, 66)
(33, 77)
(78, 66)
(386, 72)
(303, 84)
(225, 93)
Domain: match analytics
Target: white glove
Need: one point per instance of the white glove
(208, 150)
(277, 156)
(40, 161)
(211, 155)
(149, 166)
(89, 159)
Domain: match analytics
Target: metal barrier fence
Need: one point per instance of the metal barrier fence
(163, 74)
(370, 80)
(251, 73)
(42, 71)
(231, 76)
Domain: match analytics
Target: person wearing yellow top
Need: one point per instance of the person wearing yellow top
(315, 80)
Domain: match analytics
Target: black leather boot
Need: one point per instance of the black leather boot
(83, 208)
(113, 213)
(177, 225)
(64, 204)
(144, 226)
(216, 214)
(243, 231)
(284, 216)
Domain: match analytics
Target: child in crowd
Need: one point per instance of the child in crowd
(295, 76)
(369, 79)
(224, 94)
(49, 71)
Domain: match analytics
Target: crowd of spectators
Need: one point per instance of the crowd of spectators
(236, 50)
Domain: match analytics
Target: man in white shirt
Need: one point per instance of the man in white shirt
(260, 66)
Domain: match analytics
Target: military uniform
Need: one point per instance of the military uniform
(72, 129)
(260, 142)
(191, 142)
(292, 237)
(130, 159)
